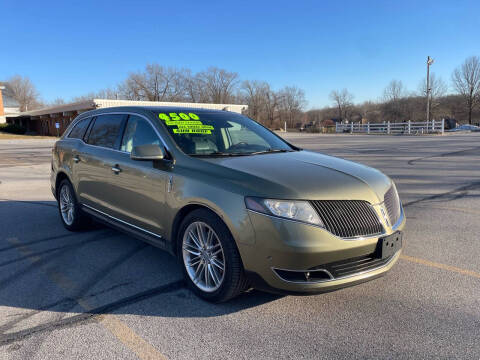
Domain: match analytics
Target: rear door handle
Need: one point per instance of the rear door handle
(76, 159)
(116, 169)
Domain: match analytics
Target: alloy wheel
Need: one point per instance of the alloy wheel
(67, 205)
(203, 256)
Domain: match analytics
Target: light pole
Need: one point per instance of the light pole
(429, 62)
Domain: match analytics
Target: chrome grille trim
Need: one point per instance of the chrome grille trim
(392, 204)
(348, 218)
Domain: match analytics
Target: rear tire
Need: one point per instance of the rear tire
(71, 215)
(204, 256)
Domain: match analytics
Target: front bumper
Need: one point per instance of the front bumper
(296, 247)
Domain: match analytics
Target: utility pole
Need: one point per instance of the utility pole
(429, 62)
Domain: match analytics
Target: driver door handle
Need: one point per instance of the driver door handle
(76, 159)
(116, 169)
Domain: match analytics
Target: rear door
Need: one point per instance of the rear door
(75, 141)
(96, 162)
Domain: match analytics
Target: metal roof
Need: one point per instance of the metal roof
(92, 104)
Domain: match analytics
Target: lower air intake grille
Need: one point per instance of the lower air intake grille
(348, 218)
(353, 266)
(392, 203)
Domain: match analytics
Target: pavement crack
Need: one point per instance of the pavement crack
(451, 153)
(40, 203)
(35, 254)
(455, 194)
(92, 315)
(36, 263)
(11, 247)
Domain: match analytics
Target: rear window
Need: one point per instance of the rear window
(105, 131)
(78, 131)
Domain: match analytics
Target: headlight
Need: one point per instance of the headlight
(289, 209)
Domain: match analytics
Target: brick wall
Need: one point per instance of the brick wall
(2, 111)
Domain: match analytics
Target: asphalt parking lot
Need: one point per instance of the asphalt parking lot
(103, 295)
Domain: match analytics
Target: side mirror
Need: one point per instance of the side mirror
(147, 152)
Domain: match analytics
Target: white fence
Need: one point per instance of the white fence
(408, 127)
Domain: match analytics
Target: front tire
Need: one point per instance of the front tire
(73, 218)
(211, 262)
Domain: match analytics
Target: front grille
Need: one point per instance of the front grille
(353, 266)
(348, 218)
(392, 203)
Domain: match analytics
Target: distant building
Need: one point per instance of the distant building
(8, 104)
(43, 121)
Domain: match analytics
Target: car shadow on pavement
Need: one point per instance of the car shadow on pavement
(45, 267)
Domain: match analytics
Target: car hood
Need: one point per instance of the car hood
(302, 175)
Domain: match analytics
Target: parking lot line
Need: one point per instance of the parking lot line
(441, 266)
(116, 327)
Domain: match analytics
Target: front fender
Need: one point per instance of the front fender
(229, 206)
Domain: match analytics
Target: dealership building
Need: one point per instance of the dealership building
(54, 120)
(8, 105)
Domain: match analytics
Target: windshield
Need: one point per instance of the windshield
(220, 134)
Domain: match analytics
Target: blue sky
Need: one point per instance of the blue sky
(69, 48)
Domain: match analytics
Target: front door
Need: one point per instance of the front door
(140, 186)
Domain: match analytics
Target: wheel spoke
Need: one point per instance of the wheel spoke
(195, 261)
(195, 240)
(207, 283)
(201, 234)
(191, 249)
(192, 246)
(217, 252)
(218, 264)
(213, 274)
(198, 272)
(192, 252)
(209, 238)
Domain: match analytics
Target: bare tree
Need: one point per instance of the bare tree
(394, 91)
(218, 84)
(438, 89)
(291, 103)
(194, 91)
(343, 101)
(466, 80)
(272, 100)
(24, 92)
(156, 83)
(393, 106)
(262, 101)
(109, 93)
(57, 102)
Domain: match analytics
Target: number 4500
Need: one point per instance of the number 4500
(179, 116)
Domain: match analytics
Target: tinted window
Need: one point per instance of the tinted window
(105, 130)
(241, 135)
(138, 132)
(214, 133)
(79, 129)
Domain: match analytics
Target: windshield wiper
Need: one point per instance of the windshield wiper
(219, 153)
(269, 151)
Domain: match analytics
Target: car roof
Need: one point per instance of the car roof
(143, 109)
